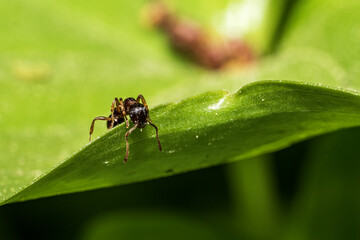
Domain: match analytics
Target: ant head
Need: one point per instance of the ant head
(138, 115)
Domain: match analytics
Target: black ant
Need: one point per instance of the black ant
(139, 115)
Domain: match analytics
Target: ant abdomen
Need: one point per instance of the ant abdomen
(118, 119)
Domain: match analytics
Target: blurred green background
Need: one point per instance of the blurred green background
(61, 64)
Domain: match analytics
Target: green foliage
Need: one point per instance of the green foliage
(153, 224)
(328, 203)
(62, 63)
(200, 131)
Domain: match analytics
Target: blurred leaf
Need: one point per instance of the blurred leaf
(327, 206)
(319, 45)
(203, 131)
(253, 195)
(148, 225)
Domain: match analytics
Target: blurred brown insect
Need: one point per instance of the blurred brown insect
(139, 115)
(192, 41)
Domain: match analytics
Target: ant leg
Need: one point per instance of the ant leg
(121, 103)
(112, 112)
(117, 104)
(93, 123)
(127, 143)
(144, 103)
(121, 110)
(157, 135)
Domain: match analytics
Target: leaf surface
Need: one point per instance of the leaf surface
(202, 131)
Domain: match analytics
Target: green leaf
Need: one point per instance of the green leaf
(329, 195)
(153, 224)
(320, 45)
(202, 131)
(63, 61)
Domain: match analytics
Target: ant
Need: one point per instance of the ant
(139, 115)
